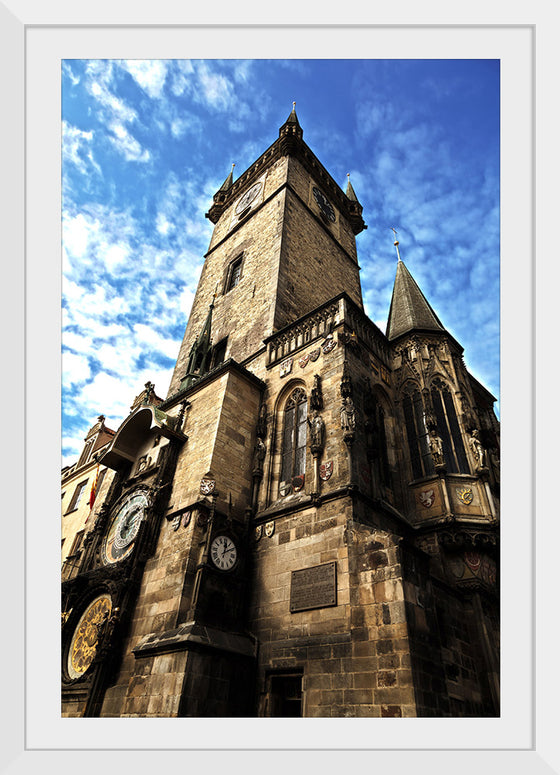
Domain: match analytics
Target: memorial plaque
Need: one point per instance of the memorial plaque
(313, 587)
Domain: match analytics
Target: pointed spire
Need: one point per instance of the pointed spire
(409, 310)
(201, 351)
(205, 336)
(292, 118)
(228, 182)
(350, 193)
(291, 127)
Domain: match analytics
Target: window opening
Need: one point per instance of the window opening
(219, 353)
(417, 435)
(234, 274)
(77, 497)
(294, 439)
(448, 429)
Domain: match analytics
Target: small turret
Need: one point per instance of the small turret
(201, 353)
(290, 132)
(219, 199)
(354, 208)
(409, 310)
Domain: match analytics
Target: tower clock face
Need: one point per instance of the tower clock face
(324, 205)
(248, 198)
(86, 635)
(223, 552)
(124, 527)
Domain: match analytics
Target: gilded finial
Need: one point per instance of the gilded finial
(396, 242)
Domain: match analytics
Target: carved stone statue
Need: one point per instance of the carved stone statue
(347, 415)
(317, 430)
(477, 449)
(259, 453)
(436, 448)
(105, 628)
(316, 393)
(261, 422)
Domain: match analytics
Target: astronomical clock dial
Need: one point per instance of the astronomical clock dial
(223, 552)
(248, 198)
(124, 527)
(324, 205)
(86, 635)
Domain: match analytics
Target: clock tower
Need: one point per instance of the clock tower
(307, 523)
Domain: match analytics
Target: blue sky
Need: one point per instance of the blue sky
(146, 143)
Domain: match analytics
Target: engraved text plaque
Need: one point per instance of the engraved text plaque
(313, 587)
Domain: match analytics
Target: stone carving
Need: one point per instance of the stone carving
(465, 495)
(345, 382)
(427, 498)
(286, 367)
(348, 415)
(261, 422)
(329, 344)
(259, 453)
(317, 431)
(316, 399)
(149, 392)
(469, 420)
(314, 354)
(105, 630)
(144, 462)
(479, 453)
(436, 448)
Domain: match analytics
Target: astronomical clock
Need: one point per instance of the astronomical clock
(97, 598)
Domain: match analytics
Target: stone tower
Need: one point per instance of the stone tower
(307, 524)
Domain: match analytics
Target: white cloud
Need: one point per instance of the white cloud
(116, 254)
(149, 74)
(126, 144)
(77, 232)
(149, 339)
(181, 76)
(76, 148)
(162, 224)
(75, 369)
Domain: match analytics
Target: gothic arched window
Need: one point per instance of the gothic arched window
(417, 434)
(294, 436)
(377, 438)
(448, 428)
(384, 459)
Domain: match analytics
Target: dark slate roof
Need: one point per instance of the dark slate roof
(409, 309)
(292, 118)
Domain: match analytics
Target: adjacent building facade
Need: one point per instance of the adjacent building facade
(307, 524)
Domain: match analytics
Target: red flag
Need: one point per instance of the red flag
(93, 492)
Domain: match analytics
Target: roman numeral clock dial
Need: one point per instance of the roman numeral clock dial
(223, 552)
